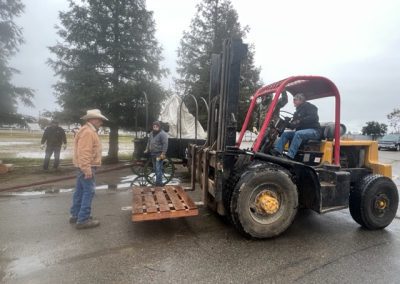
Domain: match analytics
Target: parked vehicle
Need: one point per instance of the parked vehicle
(390, 142)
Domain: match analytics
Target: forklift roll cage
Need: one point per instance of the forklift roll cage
(313, 87)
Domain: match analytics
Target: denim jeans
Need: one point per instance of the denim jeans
(158, 169)
(83, 195)
(296, 137)
(49, 151)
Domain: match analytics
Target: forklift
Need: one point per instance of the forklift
(258, 193)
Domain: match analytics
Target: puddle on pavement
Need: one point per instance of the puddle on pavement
(36, 192)
(22, 153)
(23, 266)
(125, 184)
(15, 143)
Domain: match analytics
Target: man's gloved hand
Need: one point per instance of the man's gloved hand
(64, 146)
(145, 151)
(42, 146)
(162, 156)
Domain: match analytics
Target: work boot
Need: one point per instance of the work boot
(287, 157)
(90, 223)
(72, 220)
(275, 153)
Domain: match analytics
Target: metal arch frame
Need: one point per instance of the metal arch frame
(179, 122)
(205, 102)
(280, 86)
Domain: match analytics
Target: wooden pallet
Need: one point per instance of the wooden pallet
(156, 203)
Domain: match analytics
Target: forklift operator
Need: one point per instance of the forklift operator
(305, 125)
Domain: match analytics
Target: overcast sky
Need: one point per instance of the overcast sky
(354, 43)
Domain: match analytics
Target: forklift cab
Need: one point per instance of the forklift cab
(313, 87)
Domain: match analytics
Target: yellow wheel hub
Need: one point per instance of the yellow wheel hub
(267, 202)
(381, 204)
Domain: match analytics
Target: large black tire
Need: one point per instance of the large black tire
(373, 202)
(246, 214)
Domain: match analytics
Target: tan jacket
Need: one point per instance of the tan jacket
(87, 148)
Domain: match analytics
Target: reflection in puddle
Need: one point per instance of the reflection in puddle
(24, 266)
(124, 185)
(25, 193)
(175, 181)
(37, 192)
(15, 143)
(128, 179)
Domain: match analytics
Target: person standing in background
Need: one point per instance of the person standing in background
(53, 137)
(157, 146)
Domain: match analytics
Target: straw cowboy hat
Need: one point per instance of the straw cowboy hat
(94, 113)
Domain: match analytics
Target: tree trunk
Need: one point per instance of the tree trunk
(113, 143)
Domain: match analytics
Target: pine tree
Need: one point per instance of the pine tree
(109, 56)
(215, 20)
(10, 40)
(394, 119)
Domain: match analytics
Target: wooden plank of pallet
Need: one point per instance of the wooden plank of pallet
(164, 215)
(176, 201)
(190, 204)
(137, 207)
(149, 201)
(161, 200)
(158, 203)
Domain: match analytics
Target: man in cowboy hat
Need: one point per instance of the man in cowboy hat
(87, 157)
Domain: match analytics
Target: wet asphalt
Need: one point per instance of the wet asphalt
(38, 245)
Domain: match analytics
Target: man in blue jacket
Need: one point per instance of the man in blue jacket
(305, 125)
(157, 146)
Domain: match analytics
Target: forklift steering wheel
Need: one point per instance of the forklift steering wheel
(287, 117)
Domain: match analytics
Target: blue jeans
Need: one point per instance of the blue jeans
(83, 195)
(296, 137)
(158, 169)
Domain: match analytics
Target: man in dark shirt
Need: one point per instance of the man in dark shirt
(305, 125)
(53, 137)
(157, 146)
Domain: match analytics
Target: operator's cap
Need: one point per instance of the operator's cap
(157, 123)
